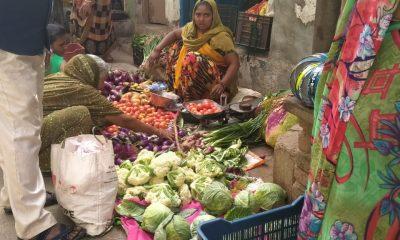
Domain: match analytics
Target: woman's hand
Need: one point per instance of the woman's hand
(217, 91)
(154, 56)
(86, 8)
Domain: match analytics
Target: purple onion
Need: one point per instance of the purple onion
(165, 147)
(156, 149)
(118, 161)
(181, 133)
(148, 147)
(144, 142)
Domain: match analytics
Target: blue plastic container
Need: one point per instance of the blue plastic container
(277, 224)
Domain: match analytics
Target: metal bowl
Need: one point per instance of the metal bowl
(164, 100)
(217, 115)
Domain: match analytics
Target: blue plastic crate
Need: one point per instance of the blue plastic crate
(277, 224)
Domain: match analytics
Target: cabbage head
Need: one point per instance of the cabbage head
(122, 174)
(217, 199)
(178, 229)
(144, 157)
(162, 164)
(163, 193)
(185, 195)
(197, 221)
(176, 178)
(154, 215)
(269, 195)
(140, 174)
(132, 192)
(156, 180)
(210, 168)
(198, 186)
(126, 164)
(246, 199)
(193, 158)
(190, 175)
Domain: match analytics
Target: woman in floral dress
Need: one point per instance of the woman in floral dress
(354, 184)
(202, 62)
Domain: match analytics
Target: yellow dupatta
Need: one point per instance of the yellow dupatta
(218, 37)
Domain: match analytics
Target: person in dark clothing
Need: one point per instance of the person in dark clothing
(22, 42)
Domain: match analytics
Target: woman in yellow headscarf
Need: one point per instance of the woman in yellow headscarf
(202, 62)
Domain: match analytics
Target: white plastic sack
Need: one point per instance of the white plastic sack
(85, 181)
(271, 7)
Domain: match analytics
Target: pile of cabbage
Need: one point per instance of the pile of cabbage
(154, 188)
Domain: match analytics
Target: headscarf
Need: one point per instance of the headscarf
(219, 36)
(83, 68)
(77, 86)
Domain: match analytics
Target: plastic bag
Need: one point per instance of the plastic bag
(85, 181)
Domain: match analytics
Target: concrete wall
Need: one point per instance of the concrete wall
(293, 28)
(172, 11)
(138, 10)
(291, 40)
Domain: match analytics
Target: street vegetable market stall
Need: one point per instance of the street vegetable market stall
(166, 188)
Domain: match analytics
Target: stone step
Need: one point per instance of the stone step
(123, 28)
(125, 44)
(121, 56)
(152, 29)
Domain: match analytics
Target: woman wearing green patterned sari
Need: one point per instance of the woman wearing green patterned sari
(354, 183)
(73, 105)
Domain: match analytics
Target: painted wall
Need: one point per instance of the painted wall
(293, 28)
(291, 40)
(172, 11)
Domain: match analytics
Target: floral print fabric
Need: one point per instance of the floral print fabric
(354, 184)
(199, 73)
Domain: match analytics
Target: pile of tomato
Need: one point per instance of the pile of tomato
(139, 108)
(204, 108)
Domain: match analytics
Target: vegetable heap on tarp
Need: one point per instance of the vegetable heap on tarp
(155, 187)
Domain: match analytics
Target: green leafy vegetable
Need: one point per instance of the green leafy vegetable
(160, 233)
(187, 212)
(237, 213)
(164, 194)
(210, 168)
(233, 156)
(129, 209)
(176, 178)
(132, 192)
(197, 221)
(248, 132)
(217, 199)
(126, 164)
(198, 186)
(185, 194)
(154, 215)
(178, 229)
(268, 195)
(162, 164)
(122, 174)
(139, 175)
(246, 199)
(144, 157)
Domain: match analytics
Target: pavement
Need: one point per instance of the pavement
(7, 231)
